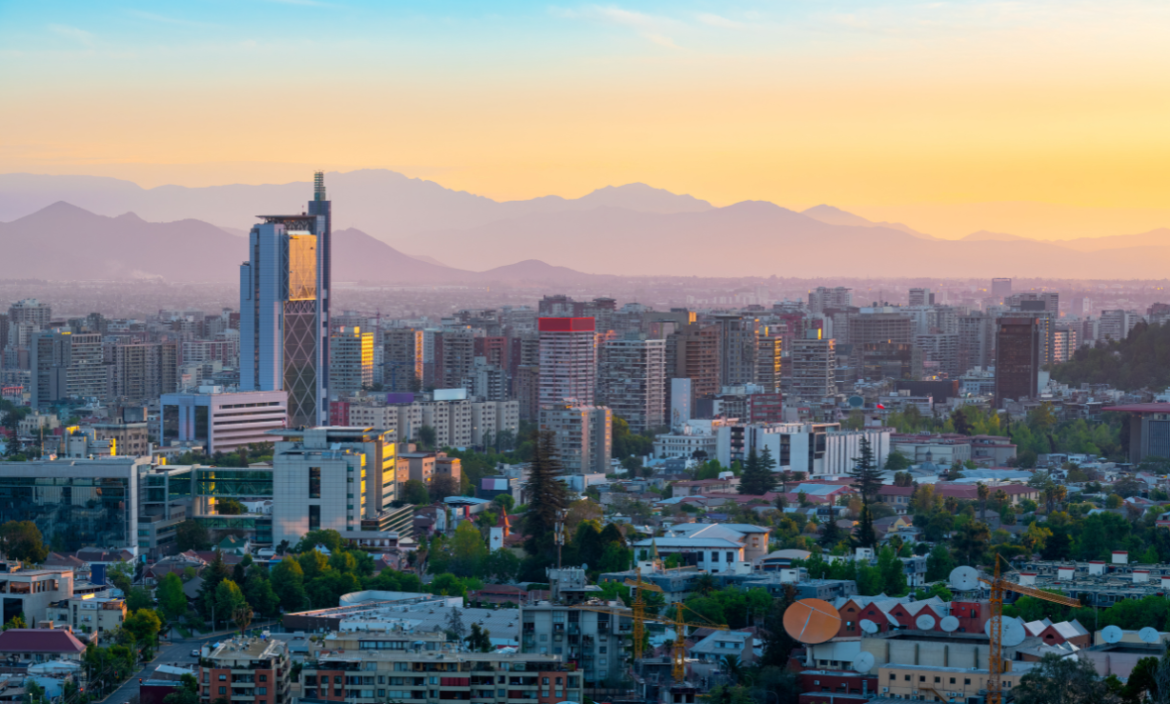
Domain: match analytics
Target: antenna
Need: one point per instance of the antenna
(925, 622)
(863, 662)
(964, 578)
(868, 626)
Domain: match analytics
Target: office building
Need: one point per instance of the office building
(826, 298)
(1017, 358)
(737, 350)
(332, 478)
(67, 366)
(352, 360)
(145, 371)
(30, 311)
(568, 361)
(921, 297)
(813, 363)
(881, 324)
(284, 305)
(76, 502)
(245, 668)
(888, 360)
(221, 422)
(941, 349)
(1117, 324)
(583, 436)
(1001, 289)
(631, 380)
(976, 340)
(402, 359)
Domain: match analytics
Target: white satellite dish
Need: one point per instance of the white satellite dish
(863, 662)
(964, 578)
(1013, 632)
(868, 626)
(925, 622)
(1149, 635)
(950, 624)
(1111, 634)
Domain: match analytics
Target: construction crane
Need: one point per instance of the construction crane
(640, 608)
(995, 660)
(678, 653)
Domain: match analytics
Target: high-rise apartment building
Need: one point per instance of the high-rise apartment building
(942, 349)
(692, 352)
(1001, 289)
(1066, 343)
(1017, 358)
(737, 350)
(568, 361)
(352, 360)
(330, 478)
(631, 380)
(1116, 324)
(67, 366)
(145, 371)
(242, 667)
(976, 340)
(813, 363)
(284, 309)
(402, 359)
(768, 360)
(825, 298)
(888, 360)
(583, 436)
(458, 360)
(921, 297)
(32, 311)
(882, 324)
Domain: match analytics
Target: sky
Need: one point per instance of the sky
(1045, 118)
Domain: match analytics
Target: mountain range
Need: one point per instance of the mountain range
(62, 226)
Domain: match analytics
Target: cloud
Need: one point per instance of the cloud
(722, 22)
(653, 28)
(78, 35)
(168, 20)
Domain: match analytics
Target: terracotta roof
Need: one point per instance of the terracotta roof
(39, 640)
(891, 490)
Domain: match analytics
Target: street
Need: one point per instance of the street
(176, 653)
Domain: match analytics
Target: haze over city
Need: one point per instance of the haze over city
(788, 352)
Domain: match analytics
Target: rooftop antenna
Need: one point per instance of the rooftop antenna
(318, 185)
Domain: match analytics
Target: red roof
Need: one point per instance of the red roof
(39, 640)
(1140, 408)
(566, 324)
(892, 490)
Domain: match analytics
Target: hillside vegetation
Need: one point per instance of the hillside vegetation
(1142, 360)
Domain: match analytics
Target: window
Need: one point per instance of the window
(223, 678)
(263, 678)
(922, 678)
(952, 680)
(714, 557)
(314, 518)
(261, 690)
(223, 690)
(324, 679)
(314, 482)
(937, 680)
(907, 678)
(893, 677)
(967, 680)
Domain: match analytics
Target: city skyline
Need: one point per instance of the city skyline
(897, 111)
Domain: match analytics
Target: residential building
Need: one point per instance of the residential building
(284, 304)
(693, 352)
(1064, 343)
(568, 361)
(402, 359)
(221, 421)
(813, 363)
(1017, 358)
(458, 360)
(1116, 324)
(737, 349)
(768, 360)
(30, 311)
(1001, 289)
(583, 436)
(130, 439)
(67, 366)
(942, 351)
(692, 438)
(88, 614)
(36, 645)
(593, 639)
(30, 592)
(145, 371)
(817, 449)
(245, 668)
(631, 380)
(351, 360)
(889, 360)
(921, 297)
(823, 298)
(880, 324)
(332, 478)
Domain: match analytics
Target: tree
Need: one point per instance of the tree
(144, 625)
(868, 481)
(21, 540)
(504, 501)
(415, 492)
(455, 628)
(896, 461)
(187, 692)
(502, 565)
(138, 598)
(442, 486)
(259, 593)
(984, 493)
(893, 572)
(1060, 680)
(171, 598)
(903, 479)
(190, 535)
(230, 507)
(427, 437)
(468, 550)
(121, 575)
(752, 480)
(242, 616)
(288, 581)
(549, 496)
(228, 598)
(479, 640)
(831, 534)
(971, 541)
(16, 621)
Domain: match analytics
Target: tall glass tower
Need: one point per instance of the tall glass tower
(284, 299)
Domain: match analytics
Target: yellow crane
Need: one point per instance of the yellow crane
(995, 660)
(640, 608)
(678, 654)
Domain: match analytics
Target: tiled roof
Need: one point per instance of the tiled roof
(39, 640)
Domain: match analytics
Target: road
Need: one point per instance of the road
(174, 653)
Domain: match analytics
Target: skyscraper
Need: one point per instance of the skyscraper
(352, 360)
(568, 361)
(631, 380)
(1017, 358)
(284, 321)
(737, 350)
(1001, 289)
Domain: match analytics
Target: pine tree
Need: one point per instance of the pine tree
(757, 478)
(547, 495)
(868, 481)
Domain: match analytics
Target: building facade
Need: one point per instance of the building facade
(568, 360)
(631, 380)
(221, 422)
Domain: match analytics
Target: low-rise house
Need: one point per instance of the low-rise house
(40, 645)
(88, 614)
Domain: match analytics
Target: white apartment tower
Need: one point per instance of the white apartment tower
(568, 361)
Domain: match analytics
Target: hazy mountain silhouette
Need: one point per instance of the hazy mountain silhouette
(1154, 238)
(835, 216)
(985, 236)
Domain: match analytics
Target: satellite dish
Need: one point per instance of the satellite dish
(863, 663)
(925, 622)
(812, 621)
(1013, 631)
(1149, 635)
(964, 578)
(950, 624)
(868, 626)
(1111, 634)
